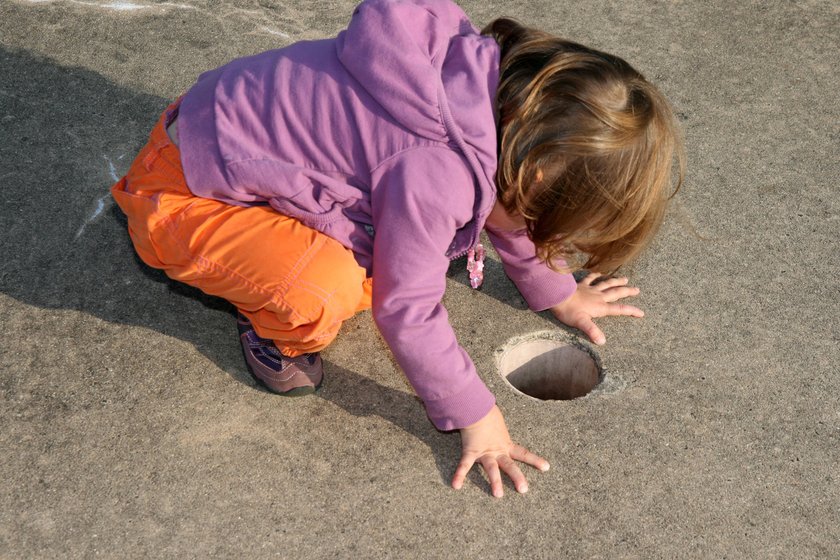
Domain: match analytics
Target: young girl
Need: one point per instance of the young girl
(311, 182)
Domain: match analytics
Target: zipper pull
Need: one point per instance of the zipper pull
(475, 265)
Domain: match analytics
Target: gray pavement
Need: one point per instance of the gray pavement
(130, 427)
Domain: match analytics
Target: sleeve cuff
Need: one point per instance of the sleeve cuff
(548, 291)
(466, 407)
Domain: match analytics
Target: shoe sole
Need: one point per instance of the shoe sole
(296, 392)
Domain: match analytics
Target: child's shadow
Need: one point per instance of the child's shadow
(354, 393)
(361, 396)
(65, 244)
(496, 284)
(499, 287)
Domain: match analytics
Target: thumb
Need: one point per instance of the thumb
(588, 326)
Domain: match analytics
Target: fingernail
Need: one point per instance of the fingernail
(545, 467)
(523, 489)
(600, 340)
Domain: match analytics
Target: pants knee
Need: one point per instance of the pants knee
(330, 288)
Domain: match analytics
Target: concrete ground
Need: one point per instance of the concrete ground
(130, 427)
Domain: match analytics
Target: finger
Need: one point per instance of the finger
(521, 454)
(461, 472)
(512, 470)
(591, 330)
(591, 277)
(491, 467)
(624, 309)
(616, 294)
(612, 283)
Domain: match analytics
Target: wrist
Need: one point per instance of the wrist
(477, 425)
(566, 304)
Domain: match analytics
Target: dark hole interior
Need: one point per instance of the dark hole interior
(561, 373)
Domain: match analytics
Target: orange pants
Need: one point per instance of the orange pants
(295, 284)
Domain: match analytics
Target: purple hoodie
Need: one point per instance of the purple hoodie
(383, 138)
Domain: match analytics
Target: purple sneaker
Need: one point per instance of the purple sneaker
(280, 374)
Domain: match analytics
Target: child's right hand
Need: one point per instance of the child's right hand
(488, 442)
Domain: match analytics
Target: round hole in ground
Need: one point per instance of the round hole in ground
(549, 369)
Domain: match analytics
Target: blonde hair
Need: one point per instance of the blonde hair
(586, 147)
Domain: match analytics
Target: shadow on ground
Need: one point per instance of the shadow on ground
(67, 133)
(361, 397)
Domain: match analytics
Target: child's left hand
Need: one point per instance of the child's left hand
(596, 300)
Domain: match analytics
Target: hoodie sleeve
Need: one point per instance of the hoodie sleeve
(539, 285)
(419, 201)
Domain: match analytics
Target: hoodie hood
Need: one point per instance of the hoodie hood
(431, 70)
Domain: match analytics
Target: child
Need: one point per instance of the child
(311, 182)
